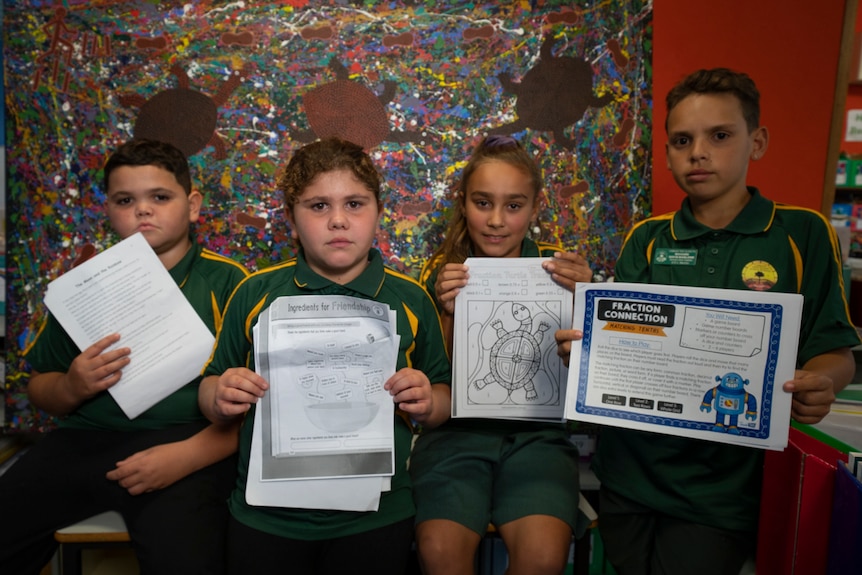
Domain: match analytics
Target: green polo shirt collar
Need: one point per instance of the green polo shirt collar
(180, 272)
(755, 217)
(368, 283)
(529, 249)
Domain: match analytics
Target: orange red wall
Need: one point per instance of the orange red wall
(790, 49)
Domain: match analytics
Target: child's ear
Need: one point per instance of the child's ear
(195, 201)
(759, 142)
(288, 213)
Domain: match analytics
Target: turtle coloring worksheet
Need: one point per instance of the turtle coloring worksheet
(505, 361)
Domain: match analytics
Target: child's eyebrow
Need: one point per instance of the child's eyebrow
(147, 191)
(313, 199)
(512, 196)
(710, 129)
(324, 198)
(723, 128)
(674, 133)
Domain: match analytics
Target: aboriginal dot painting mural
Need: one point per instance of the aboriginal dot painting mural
(238, 85)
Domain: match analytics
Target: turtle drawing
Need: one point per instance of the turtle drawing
(181, 116)
(351, 111)
(516, 356)
(552, 95)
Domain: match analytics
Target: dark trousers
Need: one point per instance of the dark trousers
(640, 541)
(382, 551)
(61, 480)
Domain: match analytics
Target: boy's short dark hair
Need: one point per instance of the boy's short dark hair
(142, 152)
(323, 156)
(719, 81)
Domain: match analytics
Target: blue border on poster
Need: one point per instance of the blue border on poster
(775, 312)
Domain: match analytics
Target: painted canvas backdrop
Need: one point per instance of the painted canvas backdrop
(239, 85)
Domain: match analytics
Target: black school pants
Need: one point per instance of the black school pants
(641, 541)
(381, 551)
(61, 480)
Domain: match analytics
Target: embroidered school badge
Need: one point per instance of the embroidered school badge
(759, 275)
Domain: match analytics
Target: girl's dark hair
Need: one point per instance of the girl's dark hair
(142, 152)
(456, 245)
(322, 156)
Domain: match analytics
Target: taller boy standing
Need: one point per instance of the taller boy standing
(675, 505)
(168, 471)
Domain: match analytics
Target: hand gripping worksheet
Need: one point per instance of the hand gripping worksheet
(126, 289)
(694, 362)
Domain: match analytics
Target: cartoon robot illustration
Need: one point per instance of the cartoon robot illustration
(516, 356)
(730, 399)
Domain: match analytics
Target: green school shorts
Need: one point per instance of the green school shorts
(474, 477)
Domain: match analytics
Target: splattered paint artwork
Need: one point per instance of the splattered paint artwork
(239, 85)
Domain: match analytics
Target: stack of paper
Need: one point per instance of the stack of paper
(504, 360)
(323, 433)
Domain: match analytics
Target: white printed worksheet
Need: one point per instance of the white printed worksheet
(323, 433)
(504, 360)
(326, 359)
(694, 362)
(126, 289)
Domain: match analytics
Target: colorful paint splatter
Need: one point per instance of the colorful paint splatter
(238, 85)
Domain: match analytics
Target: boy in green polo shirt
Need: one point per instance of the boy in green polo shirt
(168, 471)
(332, 197)
(675, 505)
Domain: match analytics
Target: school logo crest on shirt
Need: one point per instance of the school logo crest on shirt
(759, 275)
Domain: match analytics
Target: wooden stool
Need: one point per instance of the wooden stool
(99, 531)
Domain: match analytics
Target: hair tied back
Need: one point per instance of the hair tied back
(499, 141)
